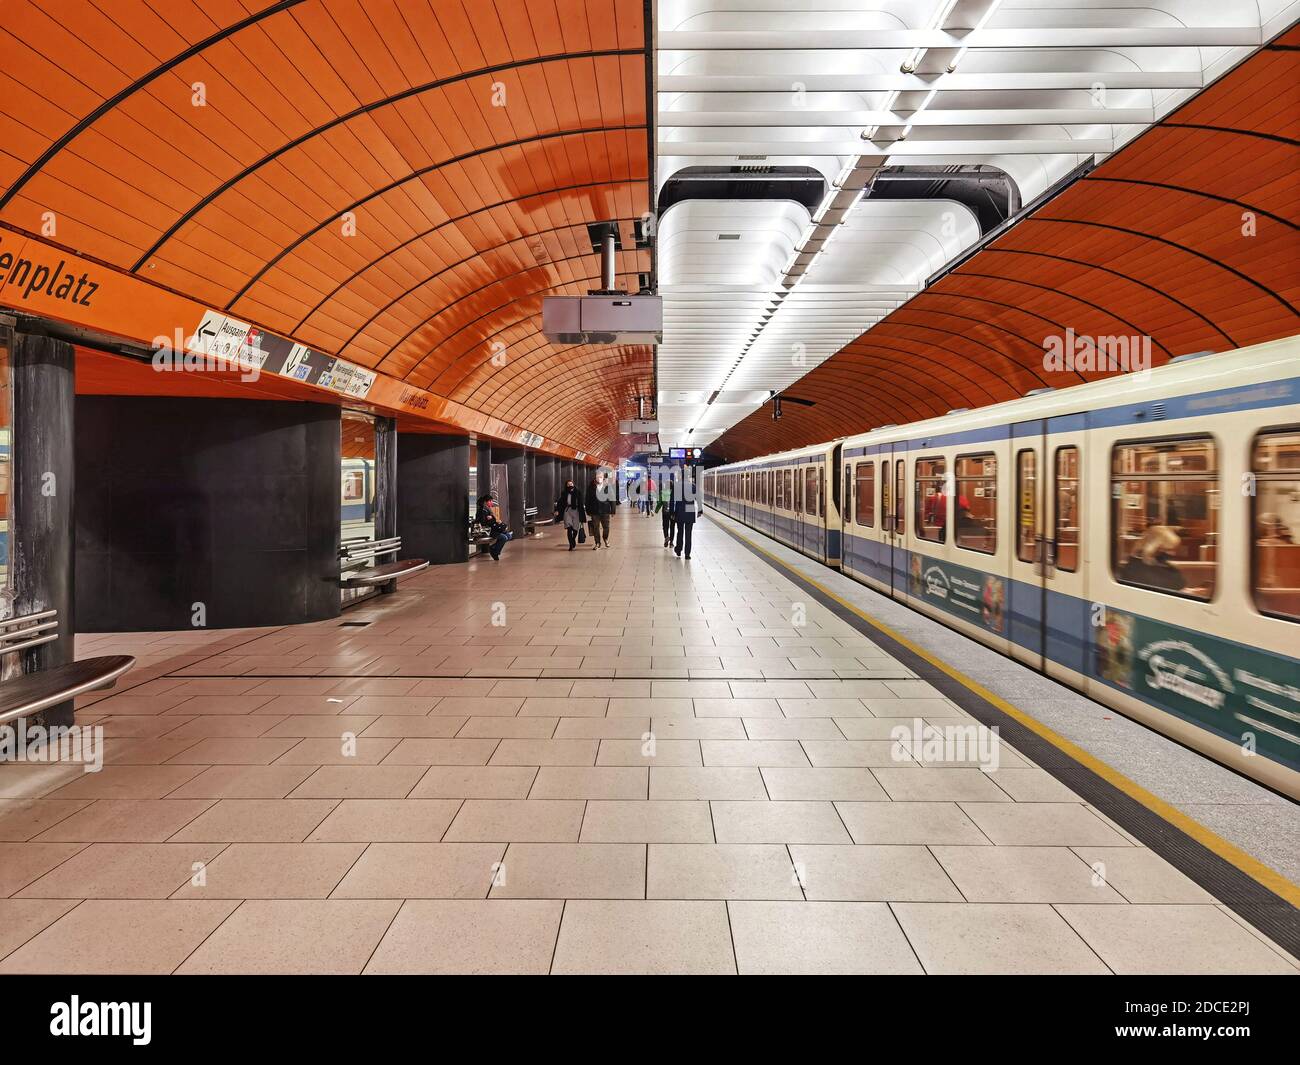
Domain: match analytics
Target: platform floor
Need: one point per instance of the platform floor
(460, 778)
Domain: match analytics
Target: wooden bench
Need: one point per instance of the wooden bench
(359, 565)
(31, 693)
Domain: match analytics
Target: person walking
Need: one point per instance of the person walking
(685, 517)
(570, 509)
(599, 508)
(489, 516)
(666, 509)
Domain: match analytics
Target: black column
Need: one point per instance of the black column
(432, 496)
(546, 488)
(41, 543)
(514, 460)
(530, 480)
(484, 466)
(205, 513)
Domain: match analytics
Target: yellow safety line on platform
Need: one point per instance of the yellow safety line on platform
(1229, 852)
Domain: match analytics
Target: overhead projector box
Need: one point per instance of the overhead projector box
(603, 319)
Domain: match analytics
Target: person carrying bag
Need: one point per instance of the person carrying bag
(571, 509)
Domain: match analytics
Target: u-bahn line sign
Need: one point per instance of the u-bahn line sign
(40, 279)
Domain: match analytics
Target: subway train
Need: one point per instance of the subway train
(1136, 538)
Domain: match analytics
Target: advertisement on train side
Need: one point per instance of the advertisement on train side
(975, 597)
(1248, 696)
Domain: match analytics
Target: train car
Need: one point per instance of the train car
(1136, 538)
(793, 497)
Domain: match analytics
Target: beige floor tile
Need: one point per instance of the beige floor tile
(608, 689)
(721, 871)
(572, 871)
(636, 753)
(1042, 824)
(393, 705)
(823, 784)
(698, 728)
(808, 728)
(328, 705)
(545, 752)
(477, 706)
(127, 821)
(143, 752)
(1172, 940)
(198, 705)
(535, 728)
(995, 938)
(470, 937)
(243, 782)
(533, 688)
(591, 782)
(121, 870)
(517, 821)
(869, 728)
(359, 782)
(770, 689)
(223, 726)
(333, 751)
(754, 709)
(423, 871)
(547, 706)
(1142, 876)
(274, 871)
(24, 819)
(118, 936)
(829, 754)
(1023, 874)
(928, 784)
(833, 708)
(233, 751)
(641, 821)
(707, 782)
(920, 823)
(21, 919)
(869, 873)
(819, 938)
(476, 782)
(23, 863)
(319, 726)
(1032, 785)
(127, 782)
(603, 728)
(608, 937)
(256, 821)
(690, 689)
(386, 821)
(756, 753)
(285, 937)
(398, 727)
(912, 708)
(778, 822)
(623, 707)
(442, 752)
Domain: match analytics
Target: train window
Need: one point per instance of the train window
(780, 489)
(1275, 519)
(1027, 506)
(900, 497)
(886, 515)
(976, 517)
(810, 490)
(821, 498)
(1165, 497)
(848, 494)
(931, 509)
(787, 478)
(866, 491)
(1066, 521)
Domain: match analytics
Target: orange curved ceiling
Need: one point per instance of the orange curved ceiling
(397, 184)
(1190, 236)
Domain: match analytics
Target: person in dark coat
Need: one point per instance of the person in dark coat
(599, 507)
(489, 516)
(571, 509)
(685, 509)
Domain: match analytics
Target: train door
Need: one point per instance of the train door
(894, 553)
(1048, 610)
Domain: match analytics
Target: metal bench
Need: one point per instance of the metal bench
(31, 693)
(359, 565)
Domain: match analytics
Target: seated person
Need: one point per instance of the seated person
(1150, 565)
(1273, 531)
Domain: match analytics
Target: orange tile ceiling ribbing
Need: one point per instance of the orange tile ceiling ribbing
(397, 182)
(1188, 235)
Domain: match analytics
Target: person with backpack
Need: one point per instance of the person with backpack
(570, 508)
(685, 510)
(489, 516)
(664, 505)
